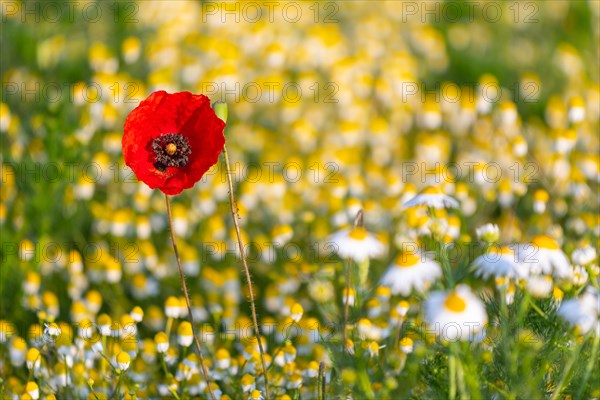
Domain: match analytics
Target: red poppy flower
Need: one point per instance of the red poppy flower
(171, 140)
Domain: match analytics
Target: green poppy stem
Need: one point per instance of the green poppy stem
(235, 216)
(187, 301)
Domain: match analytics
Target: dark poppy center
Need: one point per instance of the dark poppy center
(171, 150)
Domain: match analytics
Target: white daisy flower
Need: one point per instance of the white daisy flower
(356, 243)
(577, 110)
(294, 381)
(584, 255)
(580, 275)
(509, 296)
(248, 383)
(123, 361)
(488, 233)
(32, 390)
(349, 347)
(364, 328)
(84, 189)
(540, 286)
(185, 335)
(348, 295)
(373, 349)
(583, 312)
(223, 359)
(456, 315)
(51, 329)
(499, 262)
(411, 271)
(434, 197)
(312, 370)
(540, 201)
(402, 308)
(406, 345)
(255, 395)
(544, 256)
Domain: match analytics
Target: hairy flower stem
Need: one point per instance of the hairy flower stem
(235, 216)
(187, 301)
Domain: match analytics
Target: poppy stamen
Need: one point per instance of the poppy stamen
(171, 150)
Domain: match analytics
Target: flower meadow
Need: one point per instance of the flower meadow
(300, 200)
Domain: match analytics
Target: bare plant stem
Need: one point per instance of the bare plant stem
(187, 302)
(235, 216)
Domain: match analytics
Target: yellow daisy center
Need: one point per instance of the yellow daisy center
(123, 358)
(222, 354)
(455, 303)
(406, 260)
(431, 190)
(185, 329)
(541, 195)
(502, 250)
(545, 242)
(161, 337)
(31, 386)
(404, 304)
(297, 309)
(358, 233)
